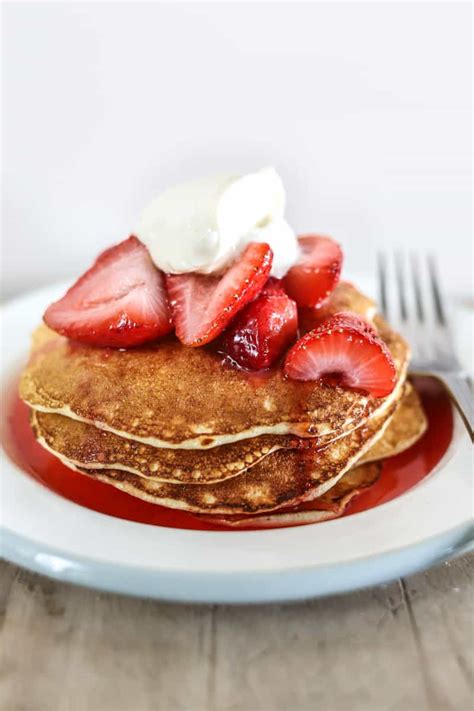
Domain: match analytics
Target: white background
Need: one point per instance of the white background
(363, 108)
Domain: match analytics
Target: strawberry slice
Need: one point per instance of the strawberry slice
(350, 319)
(274, 286)
(345, 350)
(119, 302)
(262, 331)
(203, 306)
(313, 278)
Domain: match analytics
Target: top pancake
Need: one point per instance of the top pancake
(167, 395)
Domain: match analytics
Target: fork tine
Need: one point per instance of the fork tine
(389, 292)
(415, 279)
(409, 298)
(400, 277)
(382, 283)
(420, 312)
(436, 290)
(410, 292)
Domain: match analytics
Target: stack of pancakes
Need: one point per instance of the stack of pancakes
(182, 428)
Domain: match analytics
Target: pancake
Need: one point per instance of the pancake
(170, 396)
(407, 426)
(330, 505)
(92, 448)
(283, 478)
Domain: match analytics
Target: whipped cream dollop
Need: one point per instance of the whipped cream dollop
(203, 226)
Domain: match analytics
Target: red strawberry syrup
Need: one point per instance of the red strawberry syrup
(399, 473)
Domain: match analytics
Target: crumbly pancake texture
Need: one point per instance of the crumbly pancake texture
(285, 477)
(406, 427)
(167, 395)
(330, 505)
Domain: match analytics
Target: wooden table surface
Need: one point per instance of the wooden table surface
(404, 646)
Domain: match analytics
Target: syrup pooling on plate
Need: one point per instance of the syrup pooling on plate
(22, 447)
(399, 473)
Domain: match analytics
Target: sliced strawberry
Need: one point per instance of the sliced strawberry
(274, 286)
(262, 331)
(203, 306)
(349, 319)
(119, 302)
(314, 277)
(345, 350)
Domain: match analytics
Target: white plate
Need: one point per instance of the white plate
(51, 535)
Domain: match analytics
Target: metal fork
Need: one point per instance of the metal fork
(411, 299)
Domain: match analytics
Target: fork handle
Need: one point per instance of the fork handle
(461, 395)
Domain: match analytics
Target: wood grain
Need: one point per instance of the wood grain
(403, 646)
